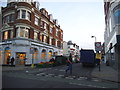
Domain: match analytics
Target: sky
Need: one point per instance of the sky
(79, 19)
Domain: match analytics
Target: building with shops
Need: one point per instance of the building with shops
(70, 47)
(112, 32)
(28, 32)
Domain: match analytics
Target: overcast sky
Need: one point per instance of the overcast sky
(79, 19)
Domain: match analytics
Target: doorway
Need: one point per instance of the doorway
(7, 55)
(20, 58)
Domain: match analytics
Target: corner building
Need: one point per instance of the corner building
(112, 32)
(28, 32)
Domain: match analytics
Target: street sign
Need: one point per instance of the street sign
(98, 46)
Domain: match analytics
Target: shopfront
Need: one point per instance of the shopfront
(7, 54)
(0, 56)
(20, 58)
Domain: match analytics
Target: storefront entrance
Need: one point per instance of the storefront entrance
(20, 58)
(7, 55)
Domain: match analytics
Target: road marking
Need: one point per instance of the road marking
(87, 85)
(69, 78)
(60, 75)
(62, 70)
(82, 78)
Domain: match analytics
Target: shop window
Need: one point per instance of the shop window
(35, 54)
(20, 56)
(7, 55)
(50, 55)
(0, 57)
(43, 55)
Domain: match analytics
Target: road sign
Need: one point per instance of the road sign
(98, 46)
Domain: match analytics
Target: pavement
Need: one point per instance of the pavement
(106, 72)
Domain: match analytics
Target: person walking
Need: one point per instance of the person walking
(12, 61)
(69, 64)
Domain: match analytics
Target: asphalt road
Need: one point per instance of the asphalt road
(54, 78)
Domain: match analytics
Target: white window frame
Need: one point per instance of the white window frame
(19, 30)
(51, 29)
(26, 14)
(35, 35)
(5, 35)
(36, 21)
(56, 32)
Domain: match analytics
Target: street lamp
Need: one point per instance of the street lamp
(94, 37)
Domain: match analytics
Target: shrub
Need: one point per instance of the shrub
(45, 64)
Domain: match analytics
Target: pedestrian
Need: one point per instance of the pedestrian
(25, 60)
(98, 58)
(12, 61)
(69, 64)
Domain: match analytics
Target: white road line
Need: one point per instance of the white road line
(61, 75)
(68, 77)
(62, 70)
(87, 85)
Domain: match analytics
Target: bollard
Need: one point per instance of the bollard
(32, 65)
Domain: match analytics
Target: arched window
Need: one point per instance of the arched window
(43, 54)
(7, 55)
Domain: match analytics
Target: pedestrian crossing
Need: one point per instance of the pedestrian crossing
(67, 76)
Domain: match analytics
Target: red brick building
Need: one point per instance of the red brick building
(29, 32)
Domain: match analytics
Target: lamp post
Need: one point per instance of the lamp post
(94, 37)
(97, 53)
